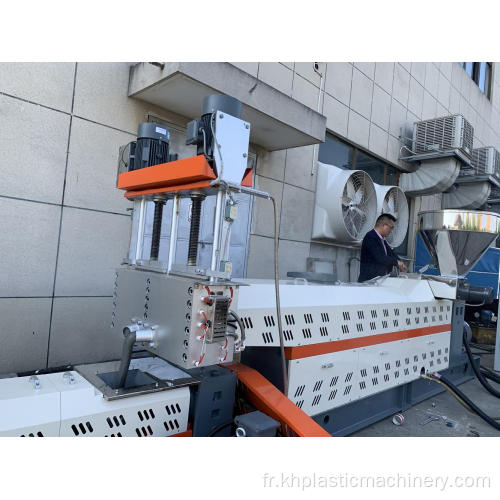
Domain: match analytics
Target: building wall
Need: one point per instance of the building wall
(365, 104)
(66, 227)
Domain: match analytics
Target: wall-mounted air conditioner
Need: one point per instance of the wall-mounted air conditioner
(444, 134)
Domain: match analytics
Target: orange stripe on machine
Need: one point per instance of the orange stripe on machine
(306, 351)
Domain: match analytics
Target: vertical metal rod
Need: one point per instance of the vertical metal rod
(214, 264)
(140, 230)
(173, 232)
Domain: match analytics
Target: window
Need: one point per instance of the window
(336, 152)
(480, 72)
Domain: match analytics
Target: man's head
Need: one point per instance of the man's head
(385, 224)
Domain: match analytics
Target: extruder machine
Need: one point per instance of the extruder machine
(305, 358)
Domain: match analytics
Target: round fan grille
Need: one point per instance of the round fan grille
(356, 203)
(395, 204)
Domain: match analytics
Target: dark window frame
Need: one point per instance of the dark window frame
(475, 74)
(389, 170)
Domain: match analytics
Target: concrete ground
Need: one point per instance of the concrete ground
(447, 409)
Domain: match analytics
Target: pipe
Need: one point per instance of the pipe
(132, 334)
(217, 231)
(477, 371)
(173, 233)
(140, 230)
(321, 78)
(462, 396)
(128, 345)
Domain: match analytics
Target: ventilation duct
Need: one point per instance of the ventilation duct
(432, 177)
(345, 208)
(392, 200)
(469, 196)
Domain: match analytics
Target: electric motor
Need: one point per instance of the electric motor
(151, 147)
(200, 131)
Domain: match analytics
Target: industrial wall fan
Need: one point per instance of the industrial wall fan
(345, 206)
(392, 200)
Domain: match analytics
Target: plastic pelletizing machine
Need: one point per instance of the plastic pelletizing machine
(204, 354)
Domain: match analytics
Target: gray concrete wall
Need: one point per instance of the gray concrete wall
(65, 227)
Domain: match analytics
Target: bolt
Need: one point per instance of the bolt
(221, 116)
(247, 126)
(244, 155)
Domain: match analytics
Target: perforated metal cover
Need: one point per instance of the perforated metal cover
(443, 134)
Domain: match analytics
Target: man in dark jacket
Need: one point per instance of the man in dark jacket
(377, 257)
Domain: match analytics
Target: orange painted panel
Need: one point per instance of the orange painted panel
(174, 173)
(307, 351)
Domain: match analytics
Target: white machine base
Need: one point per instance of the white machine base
(67, 405)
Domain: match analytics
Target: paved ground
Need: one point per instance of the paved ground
(448, 409)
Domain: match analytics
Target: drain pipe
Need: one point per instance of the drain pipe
(321, 80)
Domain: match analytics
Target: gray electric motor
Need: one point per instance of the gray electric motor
(151, 147)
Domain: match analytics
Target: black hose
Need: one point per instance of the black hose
(128, 345)
(473, 407)
(219, 428)
(477, 371)
(490, 375)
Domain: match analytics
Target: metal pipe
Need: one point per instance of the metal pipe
(214, 264)
(321, 79)
(128, 345)
(140, 230)
(173, 232)
(262, 194)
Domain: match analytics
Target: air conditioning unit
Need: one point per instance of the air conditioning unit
(443, 134)
(486, 161)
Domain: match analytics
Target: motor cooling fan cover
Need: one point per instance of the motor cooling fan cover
(392, 200)
(345, 206)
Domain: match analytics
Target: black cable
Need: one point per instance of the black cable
(219, 428)
(462, 396)
(477, 371)
(491, 376)
(241, 325)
